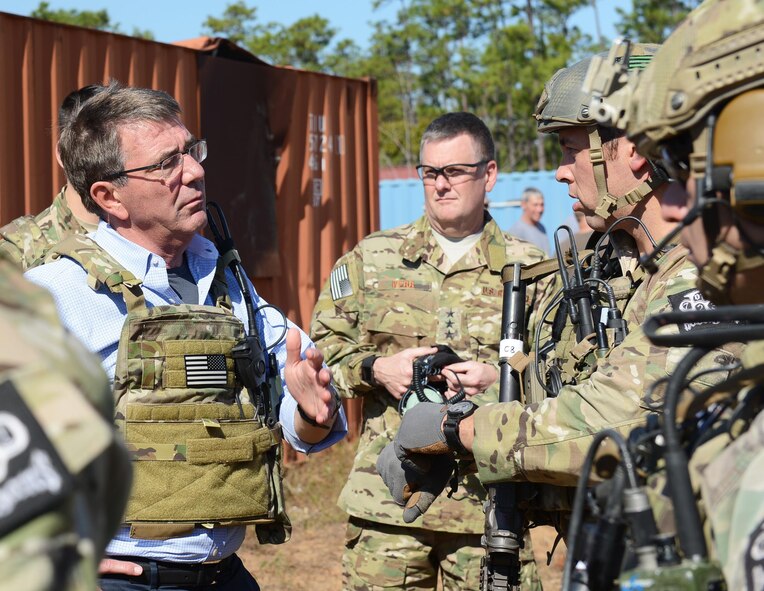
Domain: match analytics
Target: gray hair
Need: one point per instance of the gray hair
(529, 192)
(451, 125)
(90, 146)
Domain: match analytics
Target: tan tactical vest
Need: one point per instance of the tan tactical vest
(201, 455)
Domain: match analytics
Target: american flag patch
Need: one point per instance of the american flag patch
(340, 284)
(206, 371)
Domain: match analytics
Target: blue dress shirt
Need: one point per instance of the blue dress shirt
(96, 318)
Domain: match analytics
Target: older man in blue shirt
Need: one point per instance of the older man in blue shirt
(135, 164)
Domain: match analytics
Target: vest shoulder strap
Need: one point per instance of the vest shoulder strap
(219, 287)
(102, 269)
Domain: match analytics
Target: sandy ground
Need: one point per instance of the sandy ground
(311, 560)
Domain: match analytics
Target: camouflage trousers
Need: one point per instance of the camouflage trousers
(383, 557)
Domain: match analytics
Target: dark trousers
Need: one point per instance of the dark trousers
(234, 578)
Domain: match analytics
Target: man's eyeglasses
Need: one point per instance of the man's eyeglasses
(453, 173)
(165, 168)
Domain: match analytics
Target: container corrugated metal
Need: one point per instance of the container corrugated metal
(41, 63)
(305, 185)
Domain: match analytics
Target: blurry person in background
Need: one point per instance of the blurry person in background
(529, 226)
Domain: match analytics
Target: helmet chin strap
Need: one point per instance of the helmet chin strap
(717, 275)
(607, 202)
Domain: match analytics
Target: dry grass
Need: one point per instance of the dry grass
(312, 558)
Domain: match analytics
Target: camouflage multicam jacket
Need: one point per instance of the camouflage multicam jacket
(65, 475)
(26, 240)
(396, 290)
(549, 439)
(729, 472)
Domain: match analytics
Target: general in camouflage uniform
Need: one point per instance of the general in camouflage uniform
(397, 293)
(26, 240)
(64, 475)
(698, 106)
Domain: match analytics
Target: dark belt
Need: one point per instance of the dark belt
(159, 573)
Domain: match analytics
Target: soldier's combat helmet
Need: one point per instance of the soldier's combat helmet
(699, 108)
(715, 54)
(565, 103)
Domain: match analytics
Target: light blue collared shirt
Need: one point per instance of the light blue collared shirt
(96, 318)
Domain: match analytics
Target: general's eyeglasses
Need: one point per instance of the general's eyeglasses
(453, 173)
(165, 168)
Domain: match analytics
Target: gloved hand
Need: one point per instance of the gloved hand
(417, 465)
(421, 432)
(414, 489)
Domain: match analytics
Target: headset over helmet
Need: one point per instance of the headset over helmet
(565, 103)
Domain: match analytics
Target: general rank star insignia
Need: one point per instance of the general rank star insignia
(340, 283)
(448, 320)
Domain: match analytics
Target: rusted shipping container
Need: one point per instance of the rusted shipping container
(293, 154)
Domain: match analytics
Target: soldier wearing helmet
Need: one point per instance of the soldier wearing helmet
(698, 108)
(698, 114)
(544, 440)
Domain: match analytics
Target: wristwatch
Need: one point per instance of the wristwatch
(367, 370)
(311, 421)
(454, 415)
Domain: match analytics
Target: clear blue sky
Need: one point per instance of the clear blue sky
(173, 20)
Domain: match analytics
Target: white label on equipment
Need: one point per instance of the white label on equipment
(509, 347)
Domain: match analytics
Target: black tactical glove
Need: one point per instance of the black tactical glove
(418, 464)
(413, 489)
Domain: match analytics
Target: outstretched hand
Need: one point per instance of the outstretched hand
(308, 380)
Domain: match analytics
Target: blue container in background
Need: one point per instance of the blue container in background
(402, 201)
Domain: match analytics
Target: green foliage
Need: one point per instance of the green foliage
(490, 57)
(142, 34)
(92, 19)
(237, 23)
(651, 21)
(304, 44)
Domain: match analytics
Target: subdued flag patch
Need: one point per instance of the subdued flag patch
(206, 371)
(340, 283)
